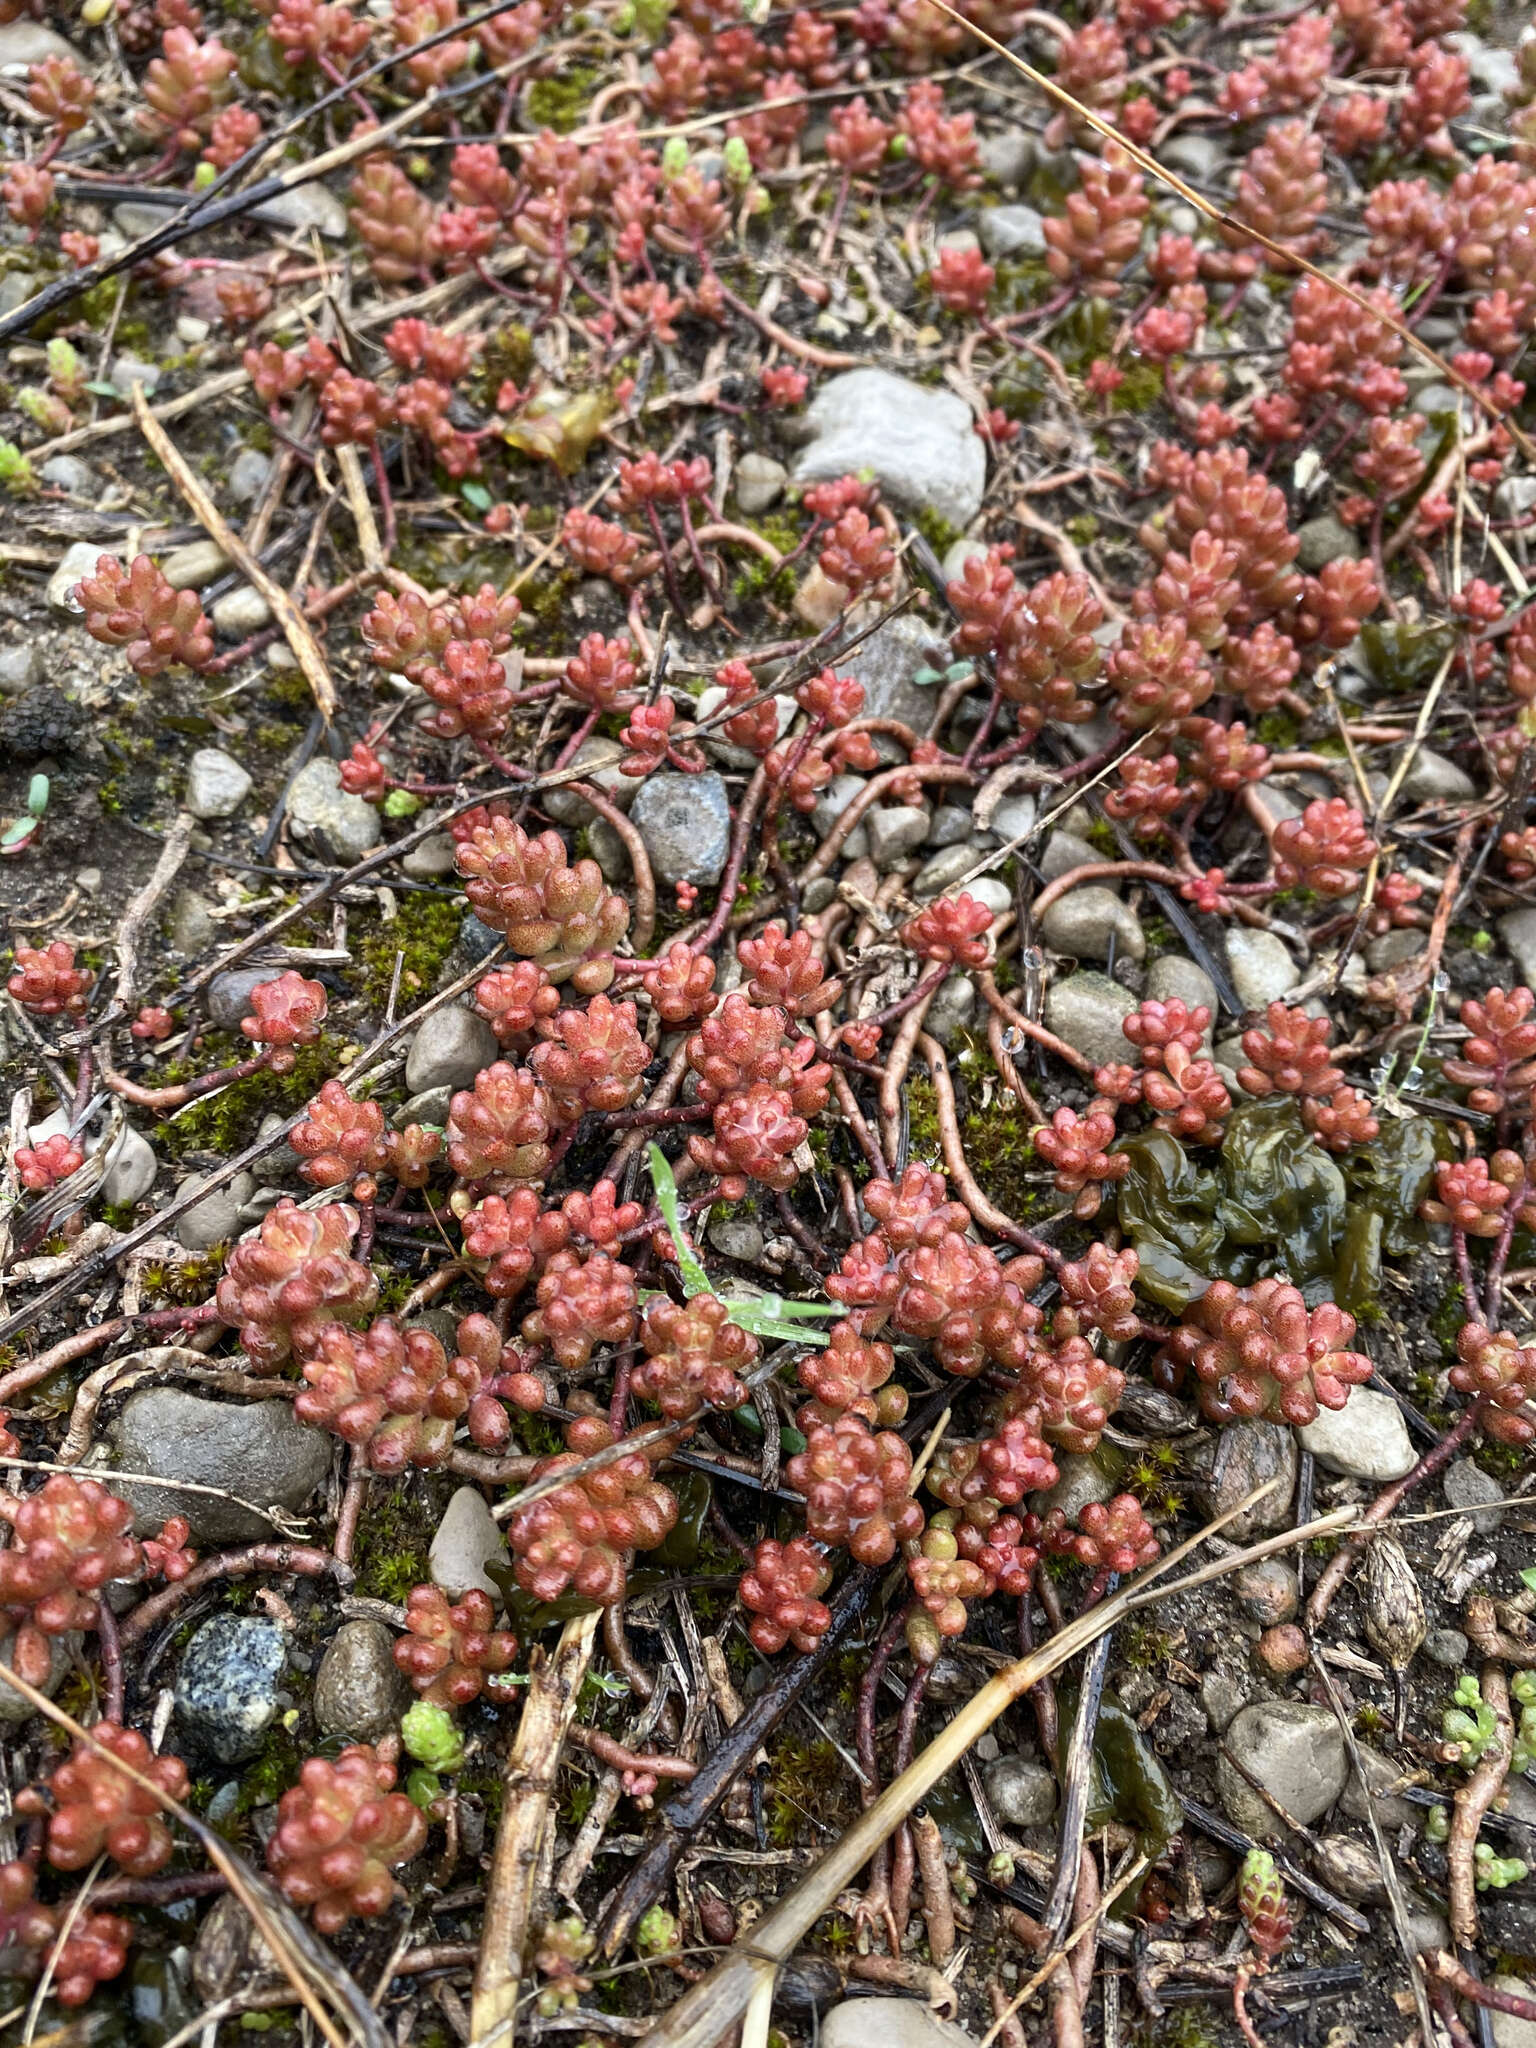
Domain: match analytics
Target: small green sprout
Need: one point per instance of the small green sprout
(674, 157)
(1523, 1691)
(401, 804)
(16, 472)
(423, 1788)
(1437, 1824)
(657, 1933)
(767, 1315)
(19, 835)
(431, 1737)
(1470, 1723)
(738, 164)
(1497, 1873)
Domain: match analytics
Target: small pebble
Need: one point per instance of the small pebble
(189, 568)
(240, 612)
(1283, 1649)
(217, 785)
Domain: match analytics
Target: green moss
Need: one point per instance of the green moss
(423, 930)
(559, 102)
(1083, 529)
(923, 1120)
(542, 629)
(1447, 1318)
(392, 1539)
(938, 533)
(1278, 729)
(225, 1122)
(1140, 388)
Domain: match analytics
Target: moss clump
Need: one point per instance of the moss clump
(938, 533)
(542, 629)
(391, 1554)
(1141, 386)
(424, 930)
(225, 1123)
(559, 102)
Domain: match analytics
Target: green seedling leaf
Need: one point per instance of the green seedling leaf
(37, 795)
(767, 1315)
(1528, 1577)
(695, 1279)
(17, 834)
(476, 496)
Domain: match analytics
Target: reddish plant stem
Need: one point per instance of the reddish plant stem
(1493, 1285)
(80, 1345)
(351, 1505)
(279, 1558)
(1012, 1014)
(1444, 1966)
(111, 1663)
(622, 1657)
(639, 861)
(903, 1852)
(745, 813)
(873, 790)
(1385, 1504)
(1471, 1294)
(608, 1751)
(986, 1212)
(158, 1891)
(183, 1091)
(876, 1903)
(1099, 871)
(919, 993)
(1009, 1073)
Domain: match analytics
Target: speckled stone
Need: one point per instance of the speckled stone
(227, 1686)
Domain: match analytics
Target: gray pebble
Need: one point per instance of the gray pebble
(946, 868)
(467, 1539)
(737, 1237)
(1468, 1486)
(217, 1216)
(360, 1691)
(888, 2023)
(951, 826)
(255, 1450)
(449, 1049)
(1012, 231)
(1325, 540)
(229, 994)
(1267, 1591)
(191, 925)
(1295, 1751)
(189, 568)
(477, 938)
(991, 891)
(62, 1651)
(895, 830)
(919, 442)
(248, 475)
(599, 758)
(1173, 978)
(131, 1169)
(1065, 850)
(1014, 819)
(78, 561)
(1447, 1647)
(1244, 1457)
(758, 482)
(227, 1685)
(21, 666)
(1083, 1481)
(887, 661)
(1262, 970)
(1365, 1439)
(241, 612)
(1021, 1792)
(1087, 922)
(1009, 156)
(68, 473)
(685, 821)
(30, 42)
(217, 785)
(129, 370)
(312, 205)
(1393, 1811)
(323, 815)
(431, 858)
(1517, 934)
(1434, 779)
(1087, 1010)
(952, 1009)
